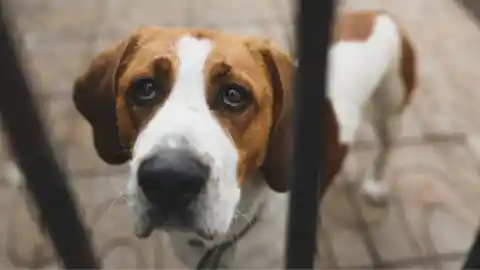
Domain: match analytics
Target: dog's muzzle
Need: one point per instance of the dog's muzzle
(171, 180)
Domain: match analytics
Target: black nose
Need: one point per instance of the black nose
(172, 178)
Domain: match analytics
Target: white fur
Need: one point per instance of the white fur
(365, 85)
(185, 121)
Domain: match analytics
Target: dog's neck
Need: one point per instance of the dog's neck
(253, 204)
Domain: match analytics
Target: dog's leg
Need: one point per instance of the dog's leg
(373, 186)
(385, 120)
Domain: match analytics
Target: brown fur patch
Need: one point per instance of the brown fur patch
(355, 26)
(408, 66)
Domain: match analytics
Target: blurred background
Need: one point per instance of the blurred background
(432, 215)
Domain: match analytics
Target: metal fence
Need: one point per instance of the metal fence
(46, 181)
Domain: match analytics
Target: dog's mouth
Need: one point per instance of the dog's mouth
(154, 219)
(149, 222)
(145, 229)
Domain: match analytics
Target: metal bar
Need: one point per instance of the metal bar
(473, 257)
(45, 180)
(313, 36)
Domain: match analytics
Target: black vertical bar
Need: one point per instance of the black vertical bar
(44, 179)
(313, 35)
(473, 257)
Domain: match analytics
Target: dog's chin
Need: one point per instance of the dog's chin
(145, 230)
(145, 226)
(207, 236)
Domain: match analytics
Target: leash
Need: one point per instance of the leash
(212, 257)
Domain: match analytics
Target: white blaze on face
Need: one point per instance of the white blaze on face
(185, 121)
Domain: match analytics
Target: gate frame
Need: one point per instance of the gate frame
(45, 180)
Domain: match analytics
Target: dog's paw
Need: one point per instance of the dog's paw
(374, 192)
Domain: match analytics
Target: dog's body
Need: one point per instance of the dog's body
(203, 117)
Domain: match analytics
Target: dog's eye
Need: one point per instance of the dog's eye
(143, 91)
(234, 96)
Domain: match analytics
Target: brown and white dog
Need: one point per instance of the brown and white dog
(202, 116)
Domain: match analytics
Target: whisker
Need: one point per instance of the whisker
(120, 196)
(117, 191)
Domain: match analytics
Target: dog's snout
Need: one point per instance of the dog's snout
(172, 177)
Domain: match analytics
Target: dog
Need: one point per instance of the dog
(203, 118)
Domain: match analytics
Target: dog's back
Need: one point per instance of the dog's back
(368, 63)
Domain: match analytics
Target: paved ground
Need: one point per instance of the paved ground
(434, 171)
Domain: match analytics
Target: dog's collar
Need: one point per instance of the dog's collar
(212, 257)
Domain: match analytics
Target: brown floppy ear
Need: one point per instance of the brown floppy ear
(280, 71)
(94, 97)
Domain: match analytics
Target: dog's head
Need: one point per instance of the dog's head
(196, 112)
